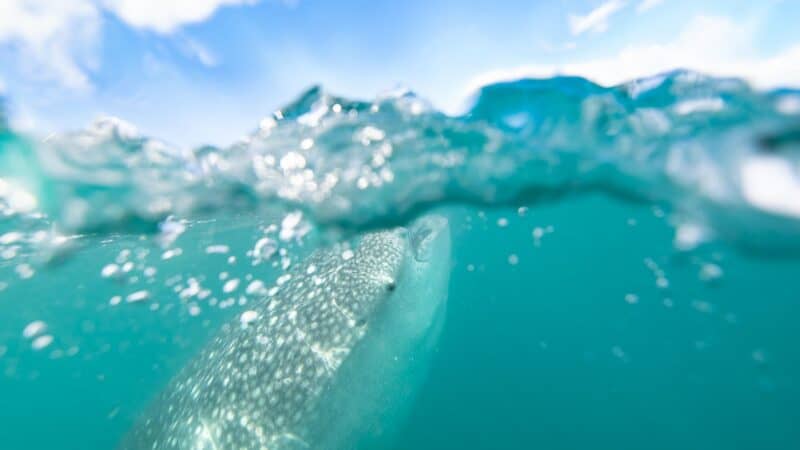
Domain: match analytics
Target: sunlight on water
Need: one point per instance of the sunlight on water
(621, 260)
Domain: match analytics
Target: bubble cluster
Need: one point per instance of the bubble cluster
(334, 161)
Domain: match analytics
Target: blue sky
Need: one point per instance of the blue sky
(205, 71)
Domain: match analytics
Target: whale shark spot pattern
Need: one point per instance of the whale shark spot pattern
(257, 386)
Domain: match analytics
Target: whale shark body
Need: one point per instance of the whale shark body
(329, 361)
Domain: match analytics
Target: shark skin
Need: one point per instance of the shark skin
(331, 360)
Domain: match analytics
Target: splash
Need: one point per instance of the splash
(720, 157)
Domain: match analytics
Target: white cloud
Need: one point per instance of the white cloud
(199, 52)
(596, 20)
(646, 5)
(55, 38)
(713, 45)
(165, 16)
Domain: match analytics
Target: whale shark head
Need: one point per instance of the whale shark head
(420, 291)
(405, 270)
(408, 274)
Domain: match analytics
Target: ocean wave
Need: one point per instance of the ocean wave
(720, 157)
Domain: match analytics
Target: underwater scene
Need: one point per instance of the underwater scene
(562, 266)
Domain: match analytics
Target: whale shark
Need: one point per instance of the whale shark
(329, 359)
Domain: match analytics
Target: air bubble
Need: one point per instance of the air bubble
(42, 342)
(34, 328)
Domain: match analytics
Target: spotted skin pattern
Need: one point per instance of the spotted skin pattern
(257, 385)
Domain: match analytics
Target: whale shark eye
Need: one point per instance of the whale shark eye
(391, 286)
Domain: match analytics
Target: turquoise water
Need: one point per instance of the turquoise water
(623, 267)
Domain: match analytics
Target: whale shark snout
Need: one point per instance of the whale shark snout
(425, 233)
